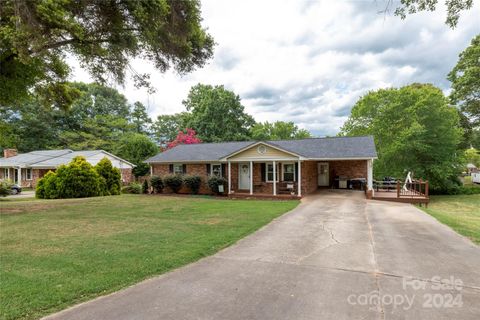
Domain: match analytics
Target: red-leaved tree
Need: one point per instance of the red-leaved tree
(188, 137)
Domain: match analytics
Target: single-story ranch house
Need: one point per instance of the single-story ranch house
(291, 167)
(26, 169)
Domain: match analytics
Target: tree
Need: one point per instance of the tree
(140, 119)
(472, 155)
(188, 137)
(454, 7)
(136, 148)
(465, 78)
(217, 114)
(278, 130)
(167, 126)
(414, 129)
(36, 36)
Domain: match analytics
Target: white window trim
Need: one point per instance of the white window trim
(6, 173)
(27, 170)
(178, 165)
(215, 164)
(283, 171)
(266, 172)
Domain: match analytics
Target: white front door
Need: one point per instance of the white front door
(323, 175)
(244, 176)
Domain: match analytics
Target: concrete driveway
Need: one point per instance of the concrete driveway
(336, 256)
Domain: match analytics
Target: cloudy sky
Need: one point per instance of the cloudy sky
(309, 61)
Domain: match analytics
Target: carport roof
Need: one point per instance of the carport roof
(337, 148)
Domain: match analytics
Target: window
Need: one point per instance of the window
(28, 174)
(6, 173)
(288, 172)
(269, 172)
(177, 168)
(216, 170)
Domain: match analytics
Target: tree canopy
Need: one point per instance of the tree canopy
(454, 8)
(465, 78)
(36, 37)
(217, 114)
(414, 129)
(136, 148)
(279, 130)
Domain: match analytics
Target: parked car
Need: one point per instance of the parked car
(16, 189)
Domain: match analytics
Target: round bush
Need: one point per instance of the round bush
(157, 184)
(78, 180)
(134, 188)
(193, 183)
(214, 182)
(5, 188)
(174, 182)
(145, 186)
(111, 175)
(50, 190)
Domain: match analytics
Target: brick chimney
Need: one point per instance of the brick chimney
(7, 153)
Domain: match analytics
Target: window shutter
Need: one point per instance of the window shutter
(263, 170)
(296, 171)
(184, 168)
(224, 170)
(208, 169)
(170, 168)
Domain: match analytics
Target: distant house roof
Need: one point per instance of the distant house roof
(55, 158)
(311, 148)
(471, 166)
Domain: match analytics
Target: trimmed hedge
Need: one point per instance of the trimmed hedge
(193, 183)
(134, 188)
(174, 182)
(111, 175)
(157, 184)
(214, 182)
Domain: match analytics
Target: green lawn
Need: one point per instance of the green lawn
(461, 213)
(55, 253)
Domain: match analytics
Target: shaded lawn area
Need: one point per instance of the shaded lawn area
(55, 253)
(460, 212)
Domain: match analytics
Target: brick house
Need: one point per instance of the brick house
(26, 169)
(290, 167)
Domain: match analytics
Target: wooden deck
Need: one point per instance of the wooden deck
(415, 192)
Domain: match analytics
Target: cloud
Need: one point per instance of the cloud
(309, 61)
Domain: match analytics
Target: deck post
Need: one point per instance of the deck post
(426, 188)
(274, 178)
(251, 177)
(299, 179)
(229, 177)
(398, 189)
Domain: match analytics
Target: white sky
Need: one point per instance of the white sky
(309, 61)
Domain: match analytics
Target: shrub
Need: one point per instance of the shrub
(145, 186)
(157, 184)
(134, 188)
(49, 182)
(193, 183)
(214, 182)
(112, 183)
(174, 182)
(5, 188)
(78, 180)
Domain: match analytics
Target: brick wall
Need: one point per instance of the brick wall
(348, 168)
(192, 169)
(127, 176)
(309, 177)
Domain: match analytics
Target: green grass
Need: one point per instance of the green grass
(460, 212)
(55, 253)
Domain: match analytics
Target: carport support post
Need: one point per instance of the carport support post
(299, 178)
(229, 177)
(251, 177)
(274, 178)
(370, 175)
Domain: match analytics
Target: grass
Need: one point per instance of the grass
(55, 253)
(460, 212)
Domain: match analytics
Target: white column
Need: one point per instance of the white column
(229, 177)
(299, 178)
(251, 177)
(19, 176)
(370, 174)
(151, 170)
(274, 178)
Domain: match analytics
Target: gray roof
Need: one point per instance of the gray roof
(311, 148)
(27, 159)
(64, 159)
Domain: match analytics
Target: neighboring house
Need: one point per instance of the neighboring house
(471, 168)
(294, 167)
(26, 168)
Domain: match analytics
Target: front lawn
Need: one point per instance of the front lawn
(55, 253)
(460, 212)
